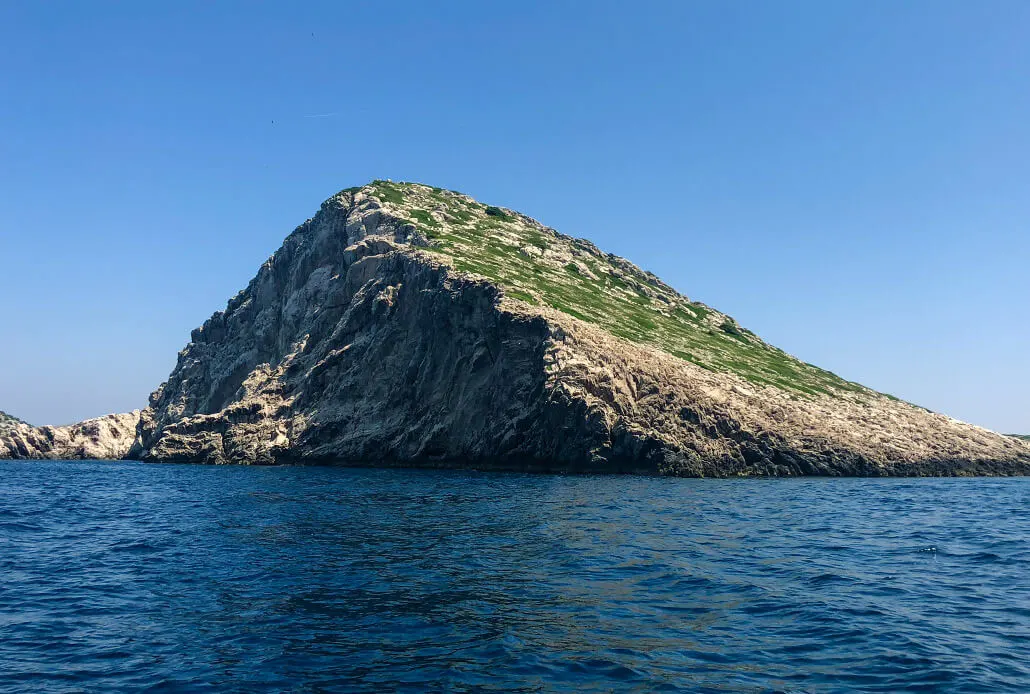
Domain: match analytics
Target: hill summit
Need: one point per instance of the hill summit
(409, 325)
(8, 422)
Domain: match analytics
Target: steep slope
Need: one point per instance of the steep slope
(543, 268)
(107, 438)
(405, 324)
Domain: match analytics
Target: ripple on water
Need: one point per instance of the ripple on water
(128, 577)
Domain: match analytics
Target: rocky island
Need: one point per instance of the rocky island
(409, 325)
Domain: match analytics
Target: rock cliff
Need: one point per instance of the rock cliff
(405, 324)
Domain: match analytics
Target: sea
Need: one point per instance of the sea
(132, 577)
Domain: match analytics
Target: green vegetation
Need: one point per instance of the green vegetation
(389, 192)
(424, 218)
(1024, 437)
(540, 267)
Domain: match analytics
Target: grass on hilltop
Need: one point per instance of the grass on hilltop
(540, 267)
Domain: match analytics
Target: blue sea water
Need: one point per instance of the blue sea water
(121, 577)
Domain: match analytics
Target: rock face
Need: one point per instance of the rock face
(106, 438)
(407, 325)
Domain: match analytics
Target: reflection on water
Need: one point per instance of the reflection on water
(121, 576)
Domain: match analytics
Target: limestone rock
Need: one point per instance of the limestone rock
(106, 438)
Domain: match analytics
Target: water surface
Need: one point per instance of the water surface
(128, 577)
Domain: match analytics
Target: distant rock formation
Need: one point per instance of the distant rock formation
(107, 438)
(408, 325)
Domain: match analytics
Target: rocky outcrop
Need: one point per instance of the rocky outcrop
(8, 423)
(104, 438)
(356, 343)
(351, 347)
(405, 325)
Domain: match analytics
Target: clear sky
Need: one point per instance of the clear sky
(850, 180)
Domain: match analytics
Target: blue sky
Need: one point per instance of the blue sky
(848, 179)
